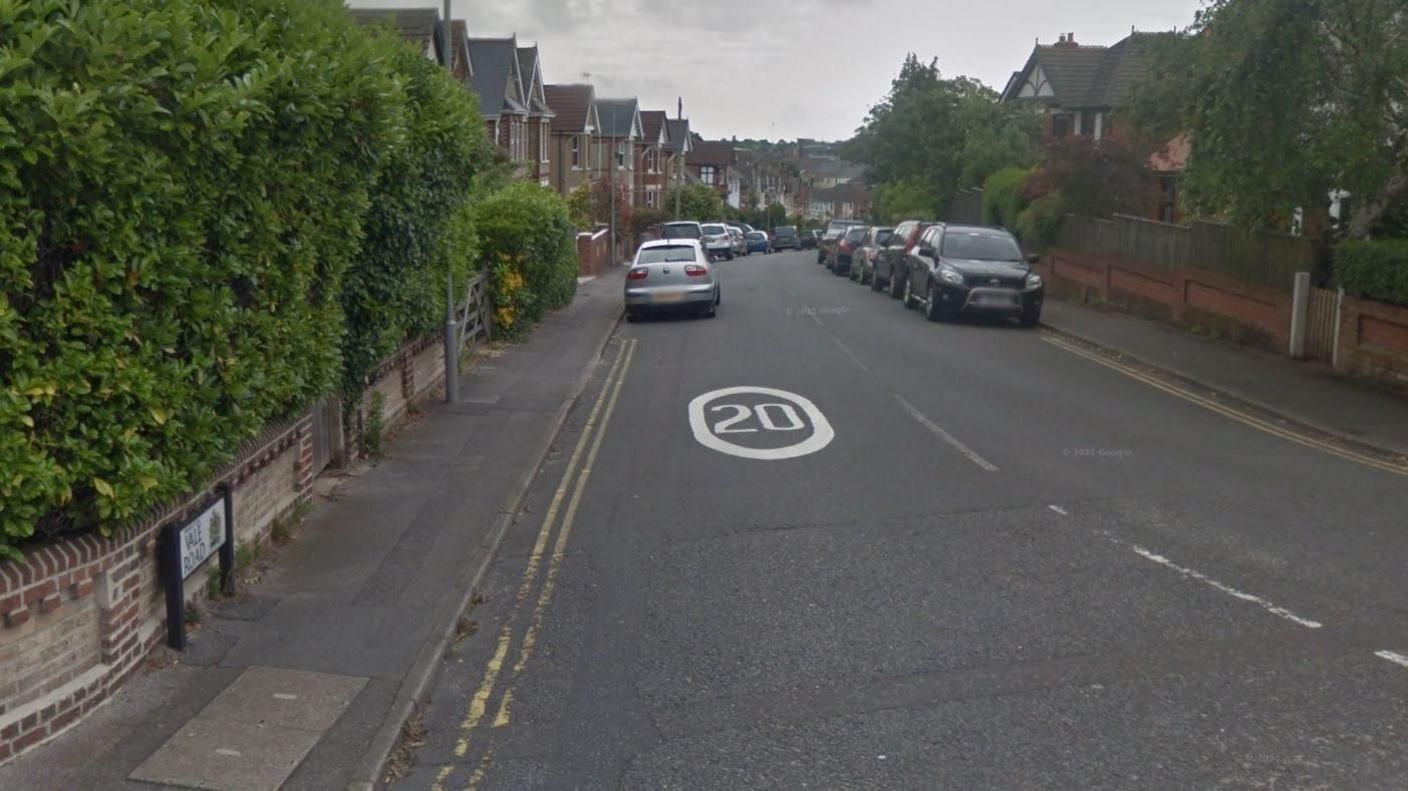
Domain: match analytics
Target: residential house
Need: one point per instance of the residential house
(1077, 89)
(503, 100)
(713, 162)
(848, 201)
(651, 178)
(540, 115)
(678, 144)
(573, 131)
(619, 142)
(419, 26)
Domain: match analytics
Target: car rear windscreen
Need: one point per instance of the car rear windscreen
(665, 255)
(881, 237)
(756, 235)
(714, 230)
(682, 231)
(785, 232)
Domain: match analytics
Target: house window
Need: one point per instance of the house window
(1087, 123)
(1060, 126)
(650, 160)
(708, 174)
(576, 152)
(542, 141)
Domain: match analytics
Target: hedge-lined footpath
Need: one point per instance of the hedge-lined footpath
(212, 212)
(1375, 269)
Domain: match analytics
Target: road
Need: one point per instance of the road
(1012, 566)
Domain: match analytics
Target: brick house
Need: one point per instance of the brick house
(540, 115)
(503, 100)
(678, 143)
(419, 26)
(573, 131)
(652, 180)
(621, 133)
(712, 162)
(1078, 89)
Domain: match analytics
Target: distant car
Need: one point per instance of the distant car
(716, 240)
(810, 240)
(784, 237)
(863, 258)
(843, 252)
(890, 263)
(758, 242)
(955, 270)
(681, 229)
(671, 275)
(826, 245)
(737, 234)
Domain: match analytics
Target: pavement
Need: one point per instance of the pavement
(1307, 392)
(820, 542)
(304, 680)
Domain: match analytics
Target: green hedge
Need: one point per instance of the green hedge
(1374, 269)
(183, 186)
(1038, 224)
(1003, 197)
(528, 247)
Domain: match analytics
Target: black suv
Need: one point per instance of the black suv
(961, 269)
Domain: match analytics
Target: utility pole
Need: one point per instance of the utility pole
(615, 147)
(452, 327)
(679, 170)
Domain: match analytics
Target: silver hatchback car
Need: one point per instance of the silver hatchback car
(671, 275)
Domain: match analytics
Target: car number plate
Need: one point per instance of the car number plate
(669, 296)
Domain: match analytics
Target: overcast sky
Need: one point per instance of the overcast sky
(791, 68)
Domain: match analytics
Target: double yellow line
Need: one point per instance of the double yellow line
(584, 454)
(1226, 411)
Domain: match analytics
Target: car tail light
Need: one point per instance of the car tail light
(845, 246)
(696, 270)
(638, 273)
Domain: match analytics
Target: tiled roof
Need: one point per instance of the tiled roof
(652, 124)
(712, 152)
(495, 63)
(617, 116)
(678, 130)
(414, 24)
(1082, 76)
(528, 70)
(573, 106)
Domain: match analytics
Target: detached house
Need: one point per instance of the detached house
(503, 100)
(1077, 89)
(619, 141)
(540, 114)
(651, 178)
(573, 131)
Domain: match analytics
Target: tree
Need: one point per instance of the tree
(1096, 178)
(940, 135)
(579, 207)
(902, 200)
(697, 202)
(1287, 100)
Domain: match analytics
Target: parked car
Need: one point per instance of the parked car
(845, 248)
(681, 229)
(863, 258)
(716, 240)
(810, 239)
(758, 242)
(955, 270)
(892, 257)
(784, 237)
(740, 242)
(671, 275)
(826, 245)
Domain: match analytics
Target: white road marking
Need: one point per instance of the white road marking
(1392, 656)
(1058, 509)
(1280, 612)
(847, 351)
(707, 435)
(938, 431)
(228, 751)
(811, 314)
(284, 696)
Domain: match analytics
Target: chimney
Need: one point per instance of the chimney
(1067, 40)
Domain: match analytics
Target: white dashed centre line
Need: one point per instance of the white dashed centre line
(1280, 612)
(938, 431)
(847, 351)
(1393, 656)
(1058, 509)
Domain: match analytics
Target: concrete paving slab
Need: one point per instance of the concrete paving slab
(284, 698)
(215, 753)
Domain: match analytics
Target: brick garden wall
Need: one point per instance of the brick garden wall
(1373, 340)
(78, 615)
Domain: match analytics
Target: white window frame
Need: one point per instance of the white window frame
(575, 146)
(542, 141)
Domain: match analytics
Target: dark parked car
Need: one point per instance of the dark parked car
(956, 270)
(891, 259)
(784, 237)
(826, 245)
(845, 249)
(810, 240)
(863, 259)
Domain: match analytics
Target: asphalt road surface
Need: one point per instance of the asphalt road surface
(1005, 565)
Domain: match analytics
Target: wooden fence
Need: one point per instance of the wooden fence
(1256, 256)
(965, 208)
